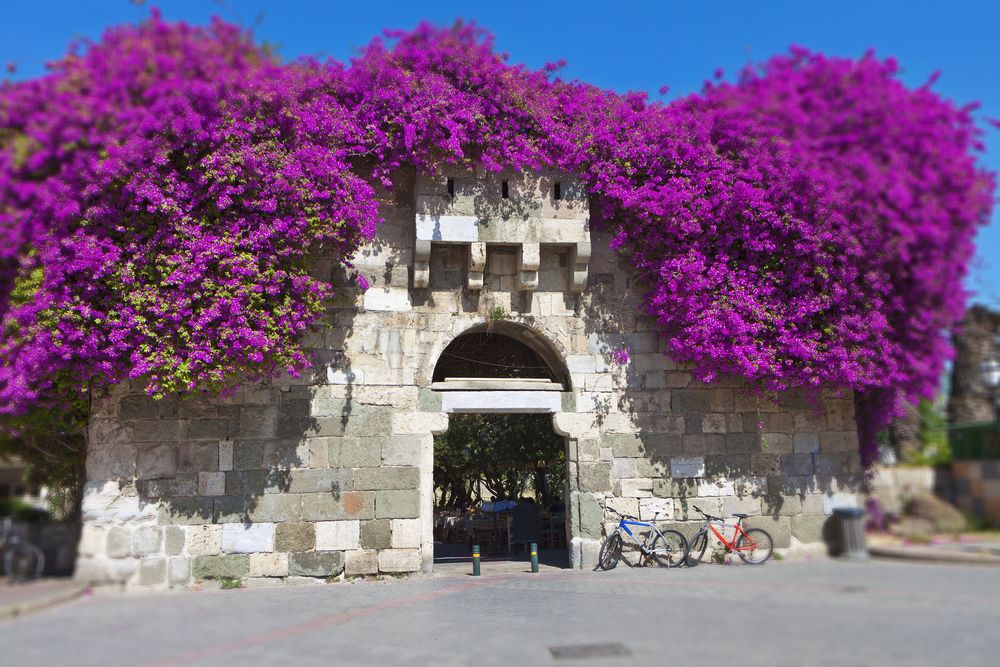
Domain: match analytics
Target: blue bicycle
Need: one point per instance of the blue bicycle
(668, 548)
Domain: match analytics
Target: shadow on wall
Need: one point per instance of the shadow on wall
(677, 443)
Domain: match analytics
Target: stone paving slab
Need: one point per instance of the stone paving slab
(782, 613)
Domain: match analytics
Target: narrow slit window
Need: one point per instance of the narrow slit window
(504, 190)
(557, 190)
(451, 187)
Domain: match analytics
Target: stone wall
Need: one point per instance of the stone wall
(331, 473)
(977, 338)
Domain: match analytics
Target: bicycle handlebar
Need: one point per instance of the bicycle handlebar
(707, 515)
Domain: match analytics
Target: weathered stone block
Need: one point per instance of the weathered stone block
(360, 562)
(743, 443)
(691, 400)
(207, 429)
(778, 527)
(623, 468)
(221, 567)
(376, 534)
(198, 456)
(244, 539)
(675, 488)
(226, 455)
(662, 445)
(651, 509)
(178, 571)
(169, 487)
(828, 464)
(268, 565)
(428, 400)
(338, 535)
(405, 450)
(285, 454)
(399, 560)
(248, 454)
(204, 540)
(326, 480)
(797, 464)
(173, 542)
(152, 571)
(386, 477)
(246, 482)
(636, 488)
(727, 465)
(156, 461)
(367, 421)
(316, 564)
(765, 464)
(119, 543)
(331, 507)
(276, 507)
(808, 528)
(297, 536)
(211, 483)
(157, 430)
(397, 504)
(781, 505)
(355, 452)
(185, 511)
(594, 476)
(623, 444)
(231, 509)
(805, 443)
(687, 467)
(591, 515)
(147, 540)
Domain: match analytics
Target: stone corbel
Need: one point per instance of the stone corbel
(422, 264)
(528, 262)
(579, 263)
(477, 264)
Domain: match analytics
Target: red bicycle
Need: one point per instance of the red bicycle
(753, 546)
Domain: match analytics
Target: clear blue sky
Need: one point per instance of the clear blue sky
(617, 45)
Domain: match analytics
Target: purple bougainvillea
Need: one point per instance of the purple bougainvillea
(163, 192)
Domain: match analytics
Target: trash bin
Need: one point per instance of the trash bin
(849, 536)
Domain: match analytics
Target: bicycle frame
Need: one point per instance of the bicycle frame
(623, 525)
(737, 531)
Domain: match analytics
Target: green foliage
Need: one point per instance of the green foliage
(22, 511)
(230, 583)
(933, 438)
(506, 453)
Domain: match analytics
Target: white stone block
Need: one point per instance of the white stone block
(268, 565)
(238, 538)
(345, 376)
(399, 560)
(628, 506)
(637, 488)
(836, 500)
(455, 228)
(147, 540)
(92, 540)
(405, 533)
(501, 401)
(388, 299)
(406, 423)
(338, 535)
(623, 468)
(649, 508)
(693, 466)
(362, 561)
(715, 488)
(581, 363)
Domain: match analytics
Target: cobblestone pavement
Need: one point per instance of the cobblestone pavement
(784, 613)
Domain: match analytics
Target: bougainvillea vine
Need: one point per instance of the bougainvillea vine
(165, 194)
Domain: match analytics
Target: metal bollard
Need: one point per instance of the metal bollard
(534, 556)
(475, 560)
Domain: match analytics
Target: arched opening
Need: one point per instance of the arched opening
(500, 356)
(500, 468)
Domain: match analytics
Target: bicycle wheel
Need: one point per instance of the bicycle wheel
(755, 547)
(611, 552)
(23, 561)
(697, 551)
(669, 548)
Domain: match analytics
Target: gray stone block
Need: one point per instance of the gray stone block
(808, 528)
(246, 482)
(691, 400)
(682, 487)
(169, 487)
(764, 465)
(143, 406)
(208, 429)
(147, 540)
(255, 422)
(743, 443)
(231, 509)
(178, 571)
(805, 443)
(248, 454)
(276, 507)
(797, 464)
(285, 454)
(386, 477)
(828, 464)
(230, 566)
(404, 450)
(157, 430)
(778, 527)
(332, 507)
(589, 516)
(623, 444)
(781, 505)
(186, 511)
(355, 452)
(727, 465)
(366, 421)
(397, 504)
(428, 400)
(198, 456)
(376, 534)
(173, 540)
(594, 476)
(152, 571)
(292, 537)
(325, 480)
(316, 564)
(156, 461)
(119, 544)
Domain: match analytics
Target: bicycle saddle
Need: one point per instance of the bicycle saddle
(741, 516)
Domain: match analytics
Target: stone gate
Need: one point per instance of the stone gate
(331, 473)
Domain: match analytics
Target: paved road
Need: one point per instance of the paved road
(784, 613)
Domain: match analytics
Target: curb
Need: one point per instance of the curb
(933, 555)
(41, 602)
